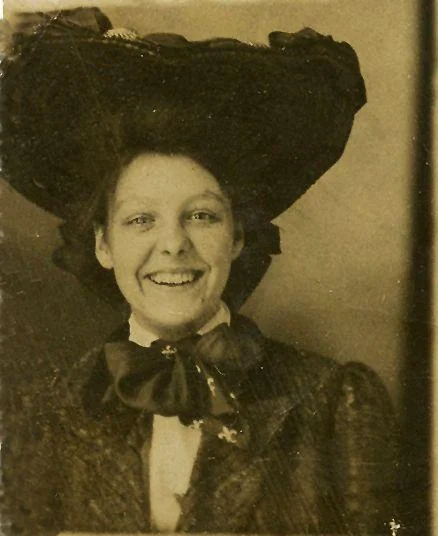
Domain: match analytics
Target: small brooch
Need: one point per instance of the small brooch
(196, 424)
(211, 385)
(169, 351)
(229, 435)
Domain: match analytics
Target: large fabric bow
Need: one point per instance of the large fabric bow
(197, 379)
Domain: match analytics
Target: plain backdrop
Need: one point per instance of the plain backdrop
(340, 286)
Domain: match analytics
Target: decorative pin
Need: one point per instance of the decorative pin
(394, 526)
(122, 33)
(211, 385)
(168, 351)
(233, 396)
(228, 435)
(196, 424)
(198, 368)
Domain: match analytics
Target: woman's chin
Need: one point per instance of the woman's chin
(173, 324)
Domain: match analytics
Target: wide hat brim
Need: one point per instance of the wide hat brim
(268, 121)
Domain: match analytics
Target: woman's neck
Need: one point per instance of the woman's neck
(144, 334)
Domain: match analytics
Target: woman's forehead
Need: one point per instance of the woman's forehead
(158, 177)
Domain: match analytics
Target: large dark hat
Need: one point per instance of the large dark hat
(267, 121)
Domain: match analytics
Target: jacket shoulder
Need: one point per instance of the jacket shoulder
(292, 370)
(354, 380)
(349, 393)
(87, 376)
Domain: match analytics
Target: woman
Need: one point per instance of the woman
(176, 158)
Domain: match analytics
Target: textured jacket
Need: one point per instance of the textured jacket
(321, 458)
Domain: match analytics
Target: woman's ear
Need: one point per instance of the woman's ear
(102, 249)
(239, 241)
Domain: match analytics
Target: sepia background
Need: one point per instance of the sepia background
(340, 287)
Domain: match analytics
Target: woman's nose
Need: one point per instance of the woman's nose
(174, 239)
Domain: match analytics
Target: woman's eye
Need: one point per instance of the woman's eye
(203, 216)
(143, 220)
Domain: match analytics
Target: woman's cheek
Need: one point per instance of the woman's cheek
(213, 241)
(128, 256)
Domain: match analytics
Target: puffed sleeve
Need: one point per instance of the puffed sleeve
(365, 450)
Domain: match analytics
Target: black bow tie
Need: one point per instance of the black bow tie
(196, 379)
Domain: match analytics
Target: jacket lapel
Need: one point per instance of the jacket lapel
(227, 481)
(109, 474)
(103, 457)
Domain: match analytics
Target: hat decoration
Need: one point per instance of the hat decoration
(266, 121)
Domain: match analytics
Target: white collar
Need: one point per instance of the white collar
(144, 337)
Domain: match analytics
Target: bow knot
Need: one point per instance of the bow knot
(195, 379)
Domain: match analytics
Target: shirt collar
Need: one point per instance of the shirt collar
(144, 337)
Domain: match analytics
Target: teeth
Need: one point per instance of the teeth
(167, 278)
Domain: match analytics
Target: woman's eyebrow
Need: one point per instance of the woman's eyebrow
(133, 201)
(138, 201)
(214, 195)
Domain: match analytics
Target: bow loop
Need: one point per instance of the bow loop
(160, 379)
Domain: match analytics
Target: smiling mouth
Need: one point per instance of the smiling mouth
(175, 279)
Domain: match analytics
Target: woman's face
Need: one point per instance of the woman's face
(170, 239)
